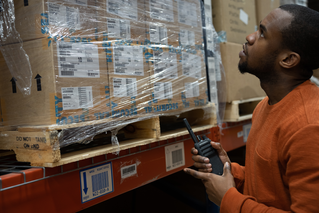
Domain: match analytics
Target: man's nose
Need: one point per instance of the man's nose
(251, 38)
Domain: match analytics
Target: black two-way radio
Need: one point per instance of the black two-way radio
(205, 149)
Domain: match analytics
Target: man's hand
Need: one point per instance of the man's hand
(202, 163)
(216, 186)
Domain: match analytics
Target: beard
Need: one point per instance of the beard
(265, 70)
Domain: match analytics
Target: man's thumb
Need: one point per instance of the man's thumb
(226, 168)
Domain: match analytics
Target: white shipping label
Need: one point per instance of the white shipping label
(118, 28)
(79, 2)
(218, 70)
(192, 18)
(158, 34)
(163, 90)
(80, 60)
(243, 16)
(192, 65)
(162, 10)
(187, 37)
(211, 68)
(192, 89)
(124, 87)
(96, 181)
(187, 13)
(210, 39)
(63, 16)
(208, 13)
(123, 8)
(77, 97)
(165, 64)
(128, 171)
(174, 156)
(128, 60)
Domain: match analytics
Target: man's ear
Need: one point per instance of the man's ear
(289, 60)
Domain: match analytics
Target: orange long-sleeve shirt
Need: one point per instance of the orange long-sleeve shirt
(282, 157)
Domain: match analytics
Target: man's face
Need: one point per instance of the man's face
(260, 53)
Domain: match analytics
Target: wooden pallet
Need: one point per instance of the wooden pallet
(51, 146)
(240, 110)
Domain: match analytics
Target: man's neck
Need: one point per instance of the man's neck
(277, 91)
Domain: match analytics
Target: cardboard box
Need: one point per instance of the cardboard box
(264, 7)
(190, 24)
(161, 22)
(122, 20)
(239, 86)
(166, 81)
(193, 70)
(129, 79)
(36, 19)
(236, 18)
(69, 85)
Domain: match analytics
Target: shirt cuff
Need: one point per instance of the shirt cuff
(233, 201)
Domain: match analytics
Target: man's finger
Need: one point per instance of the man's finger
(196, 174)
(194, 151)
(218, 148)
(200, 159)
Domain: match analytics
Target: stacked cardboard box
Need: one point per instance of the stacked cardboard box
(99, 59)
(161, 22)
(239, 86)
(69, 84)
(264, 7)
(35, 19)
(122, 20)
(166, 81)
(129, 79)
(235, 19)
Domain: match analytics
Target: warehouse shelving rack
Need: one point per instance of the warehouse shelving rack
(34, 189)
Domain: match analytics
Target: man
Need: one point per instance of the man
(282, 151)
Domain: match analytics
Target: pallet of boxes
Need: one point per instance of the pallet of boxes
(235, 21)
(131, 69)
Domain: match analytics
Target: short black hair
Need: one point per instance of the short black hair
(302, 35)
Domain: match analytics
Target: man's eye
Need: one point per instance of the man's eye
(261, 33)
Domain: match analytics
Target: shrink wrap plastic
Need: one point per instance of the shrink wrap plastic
(85, 67)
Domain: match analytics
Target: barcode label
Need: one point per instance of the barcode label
(210, 38)
(76, 97)
(174, 156)
(192, 89)
(100, 181)
(165, 64)
(125, 9)
(130, 62)
(124, 87)
(187, 13)
(163, 90)
(118, 28)
(96, 181)
(128, 171)
(177, 156)
(191, 65)
(80, 60)
(162, 10)
(187, 38)
(208, 13)
(158, 34)
(63, 16)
